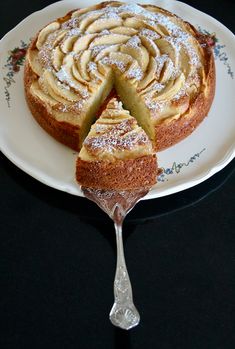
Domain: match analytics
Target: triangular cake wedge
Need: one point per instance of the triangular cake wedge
(117, 153)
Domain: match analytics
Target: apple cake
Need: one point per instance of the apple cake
(159, 66)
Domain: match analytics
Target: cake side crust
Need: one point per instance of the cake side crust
(62, 131)
(122, 174)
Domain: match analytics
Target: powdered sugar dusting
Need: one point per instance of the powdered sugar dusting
(97, 49)
(134, 42)
(135, 73)
(71, 23)
(116, 139)
(150, 34)
(104, 32)
(74, 32)
(114, 62)
(72, 107)
(156, 106)
(91, 67)
(63, 76)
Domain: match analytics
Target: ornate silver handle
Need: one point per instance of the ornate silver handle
(123, 313)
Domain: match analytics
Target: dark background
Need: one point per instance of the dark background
(57, 256)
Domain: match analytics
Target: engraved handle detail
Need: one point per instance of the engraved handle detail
(123, 313)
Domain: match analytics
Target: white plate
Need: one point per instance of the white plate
(210, 148)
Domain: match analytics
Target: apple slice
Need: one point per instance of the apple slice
(124, 31)
(83, 42)
(34, 62)
(134, 48)
(50, 28)
(171, 89)
(44, 97)
(58, 88)
(104, 23)
(57, 58)
(86, 20)
(150, 74)
(82, 60)
(67, 44)
(109, 39)
(105, 51)
(133, 22)
(150, 45)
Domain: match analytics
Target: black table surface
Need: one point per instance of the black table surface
(57, 256)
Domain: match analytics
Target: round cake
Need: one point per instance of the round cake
(159, 66)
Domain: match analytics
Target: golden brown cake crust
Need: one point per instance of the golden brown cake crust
(121, 174)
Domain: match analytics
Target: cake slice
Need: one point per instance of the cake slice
(117, 153)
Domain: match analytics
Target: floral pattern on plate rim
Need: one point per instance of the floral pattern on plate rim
(177, 167)
(219, 52)
(14, 61)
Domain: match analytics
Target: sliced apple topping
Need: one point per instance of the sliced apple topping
(103, 68)
(83, 42)
(133, 22)
(135, 49)
(50, 28)
(152, 89)
(57, 58)
(104, 23)
(118, 60)
(101, 51)
(58, 88)
(150, 74)
(169, 47)
(167, 71)
(134, 73)
(185, 66)
(47, 89)
(148, 33)
(171, 89)
(82, 59)
(56, 38)
(37, 91)
(34, 62)
(78, 76)
(86, 20)
(124, 31)
(65, 74)
(109, 39)
(161, 29)
(150, 45)
(94, 73)
(67, 44)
